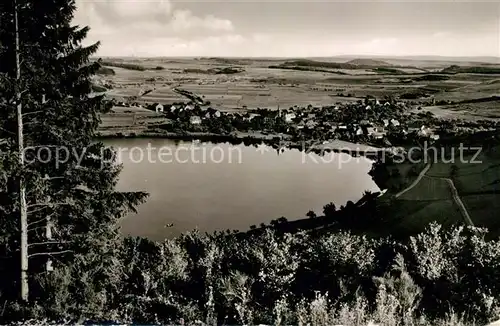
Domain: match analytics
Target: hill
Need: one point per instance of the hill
(368, 62)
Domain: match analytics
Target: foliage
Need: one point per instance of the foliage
(69, 178)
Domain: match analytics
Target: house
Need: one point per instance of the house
(159, 107)
(359, 132)
(188, 108)
(386, 122)
(289, 117)
(173, 108)
(251, 116)
(395, 123)
(212, 113)
(311, 124)
(414, 127)
(195, 120)
(377, 132)
(368, 107)
(311, 116)
(301, 125)
(425, 131)
(342, 127)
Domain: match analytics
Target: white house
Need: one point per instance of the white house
(395, 123)
(173, 108)
(188, 108)
(289, 117)
(359, 132)
(311, 124)
(217, 114)
(251, 116)
(368, 107)
(376, 132)
(425, 132)
(386, 122)
(195, 120)
(159, 107)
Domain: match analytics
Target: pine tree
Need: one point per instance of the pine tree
(72, 205)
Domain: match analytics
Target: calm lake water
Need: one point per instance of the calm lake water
(221, 186)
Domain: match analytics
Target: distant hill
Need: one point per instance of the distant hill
(105, 71)
(455, 69)
(377, 66)
(368, 62)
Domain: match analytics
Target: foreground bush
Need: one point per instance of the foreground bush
(340, 278)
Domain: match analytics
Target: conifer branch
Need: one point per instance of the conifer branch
(49, 253)
(47, 243)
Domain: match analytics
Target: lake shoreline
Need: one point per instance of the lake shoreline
(276, 141)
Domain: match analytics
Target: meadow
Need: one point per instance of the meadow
(477, 184)
(250, 83)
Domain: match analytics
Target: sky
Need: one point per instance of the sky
(293, 28)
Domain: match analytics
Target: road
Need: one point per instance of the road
(414, 183)
(459, 202)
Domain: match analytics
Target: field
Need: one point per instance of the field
(129, 120)
(250, 83)
(478, 187)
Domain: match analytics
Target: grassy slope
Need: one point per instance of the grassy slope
(478, 186)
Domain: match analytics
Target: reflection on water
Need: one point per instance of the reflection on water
(221, 186)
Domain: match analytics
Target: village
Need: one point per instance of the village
(371, 121)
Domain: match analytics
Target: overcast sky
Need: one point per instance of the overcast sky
(291, 28)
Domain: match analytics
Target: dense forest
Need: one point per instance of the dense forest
(63, 259)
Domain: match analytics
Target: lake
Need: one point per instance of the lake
(221, 186)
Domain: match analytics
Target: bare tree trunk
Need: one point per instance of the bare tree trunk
(23, 210)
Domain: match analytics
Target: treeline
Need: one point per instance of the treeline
(128, 66)
(280, 279)
(454, 69)
(214, 71)
(306, 68)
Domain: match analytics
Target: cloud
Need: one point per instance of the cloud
(441, 34)
(231, 44)
(183, 20)
(139, 20)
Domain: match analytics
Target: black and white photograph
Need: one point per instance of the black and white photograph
(250, 162)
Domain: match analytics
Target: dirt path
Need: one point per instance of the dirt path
(459, 202)
(414, 183)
